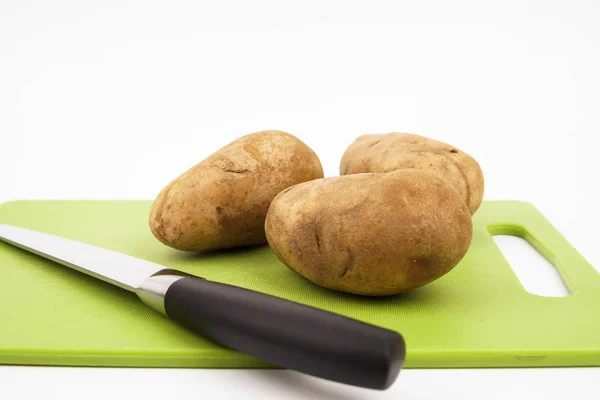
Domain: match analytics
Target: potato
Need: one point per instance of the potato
(389, 152)
(222, 201)
(370, 234)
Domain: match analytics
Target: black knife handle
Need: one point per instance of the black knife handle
(288, 334)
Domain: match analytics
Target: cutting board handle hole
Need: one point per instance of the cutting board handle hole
(538, 273)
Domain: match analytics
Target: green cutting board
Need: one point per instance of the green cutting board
(478, 315)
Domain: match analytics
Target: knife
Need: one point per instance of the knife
(281, 332)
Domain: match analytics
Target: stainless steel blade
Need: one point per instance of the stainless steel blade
(110, 266)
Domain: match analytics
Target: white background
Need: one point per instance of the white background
(112, 99)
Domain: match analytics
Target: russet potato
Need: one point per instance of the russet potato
(372, 233)
(222, 201)
(393, 151)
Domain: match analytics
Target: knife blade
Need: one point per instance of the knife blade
(279, 331)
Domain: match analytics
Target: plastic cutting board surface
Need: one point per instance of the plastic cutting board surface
(478, 315)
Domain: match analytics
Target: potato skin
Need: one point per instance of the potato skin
(392, 151)
(370, 234)
(222, 202)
